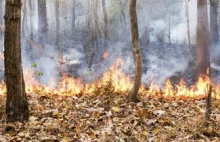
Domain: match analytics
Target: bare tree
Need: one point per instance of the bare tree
(123, 16)
(169, 23)
(16, 104)
(60, 55)
(31, 24)
(187, 22)
(136, 51)
(202, 38)
(24, 20)
(42, 21)
(74, 14)
(88, 18)
(105, 23)
(214, 21)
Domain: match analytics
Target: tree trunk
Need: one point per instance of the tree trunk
(208, 102)
(214, 21)
(74, 14)
(60, 55)
(1, 12)
(88, 18)
(42, 21)
(1, 18)
(202, 38)
(31, 42)
(187, 22)
(16, 104)
(24, 20)
(169, 24)
(105, 23)
(136, 51)
(123, 16)
(97, 35)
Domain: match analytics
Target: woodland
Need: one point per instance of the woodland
(109, 71)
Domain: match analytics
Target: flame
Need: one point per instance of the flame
(119, 81)
(105, 55)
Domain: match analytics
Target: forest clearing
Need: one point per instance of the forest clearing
(109, 71)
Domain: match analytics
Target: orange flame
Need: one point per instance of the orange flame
(120, 82)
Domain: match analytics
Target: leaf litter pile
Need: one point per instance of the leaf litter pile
(107, 116)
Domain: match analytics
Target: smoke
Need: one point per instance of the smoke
(160, 60)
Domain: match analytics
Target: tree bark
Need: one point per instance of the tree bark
(42, 21)
(16, 104)
(214, 21)
(105, 23)
(202, 39)
(136, 51)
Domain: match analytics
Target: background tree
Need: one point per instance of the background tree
(105, 23)
(122, 15)
(136, 51)
(202, 38)
(60, 55)
(214, 21)
(16, 104)
(42, 21)
(74, 14)
(31, 24)
(24, 19)
(1, 17)
(187, 23)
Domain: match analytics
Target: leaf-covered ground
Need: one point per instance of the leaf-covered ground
(109, 118)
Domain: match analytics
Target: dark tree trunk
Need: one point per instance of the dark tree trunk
(202, 38)
(1, 18)
(136, 52)
(42, 21)
(16, 104)
(214, 21)
(105, 23)
(74, 14)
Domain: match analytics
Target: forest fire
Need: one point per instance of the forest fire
(120, 83)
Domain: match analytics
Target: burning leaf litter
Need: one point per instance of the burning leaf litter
(101, 117)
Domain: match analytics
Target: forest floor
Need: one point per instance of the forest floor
(110, 117)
